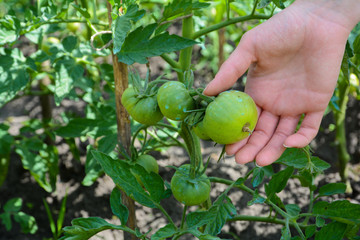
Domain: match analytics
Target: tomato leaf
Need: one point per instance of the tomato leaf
(69, 43)
(67, 71)
(334, 231)
(256, 198)
(27, 222)
(319, 165)
(341, 211)
(41, 160)
(14, 76)
(138, 45)
(278, 181)
(85, 228)
(292, 209)
(122, 25)
(178, 8)
(258, 176)
(164, 232)
(199, 219)
(294, 157)
(81, 10)
(121, 173)
(332, 188)
(356, 44)
(119, 209)
(224, 210)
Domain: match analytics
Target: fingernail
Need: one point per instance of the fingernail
(257, 165)
(285, 146)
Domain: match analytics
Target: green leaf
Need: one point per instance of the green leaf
(278, 181)
(225, 210)
(319, 165)
(14, 76)
(295, 157)
(332, 231)
(256, 198)
(285, 233)
(6, 220)
(27, 222)
(69, 43)
(7, 35)
(310, 231)
(200, 218)
(138, 46)
(119, 209)
(341, 211)
(122, 25)
(10, 28)
(202, 236)
(179, 8)
(320, 222)
(121, 173)
(41, 160)
(67, 71)
(81, 10)
(165, 232)
(332, 188)
(13, 205)
(258, 176)
(279, 3)
(356, 44)
(263, 3)
(84, 228)
(78, 127)
(292, 209)
(93, 169)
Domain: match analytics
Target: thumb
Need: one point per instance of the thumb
(232, 69)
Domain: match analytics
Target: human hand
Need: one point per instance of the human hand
(294, 60)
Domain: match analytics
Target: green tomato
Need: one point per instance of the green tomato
(148, 162)
(200, 131)
(174, 100)
(231, 117)
(190, 191)
(144, 109)
(46, 45)
(73, 26)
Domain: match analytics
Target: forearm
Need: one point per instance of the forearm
(343, 12)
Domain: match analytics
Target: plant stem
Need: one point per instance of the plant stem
(340, 132)
(165, 214)
(186, 54)
(123, 124)
(32, 27)
(183, 217)
(170, 61)
(217, 26)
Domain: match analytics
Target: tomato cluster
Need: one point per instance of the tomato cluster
(228, 118)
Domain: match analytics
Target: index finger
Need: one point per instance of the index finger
(233, 68)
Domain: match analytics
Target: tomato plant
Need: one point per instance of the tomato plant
(231, 117)
(187, 190)
(174, 100)
(83, 63)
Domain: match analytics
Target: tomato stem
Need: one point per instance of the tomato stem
(183, 217)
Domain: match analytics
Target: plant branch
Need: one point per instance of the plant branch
(217, 26)
(170, 61)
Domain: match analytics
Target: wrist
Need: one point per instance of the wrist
(345, 13)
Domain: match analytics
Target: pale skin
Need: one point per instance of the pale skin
(293, 62)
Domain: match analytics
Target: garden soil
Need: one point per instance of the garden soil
(89, 201)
